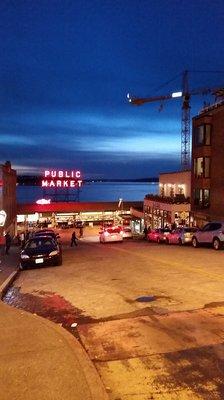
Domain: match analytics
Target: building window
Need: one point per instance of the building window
(202, 167)
(206, 167)
(162, 191)
(180, 190)
(202, 198)
(171, 190)
(202, 135)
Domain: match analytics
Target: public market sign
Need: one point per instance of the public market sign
(62, 179)
(3, 216)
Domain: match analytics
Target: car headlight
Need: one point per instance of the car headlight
(54, 253)
(24, 256)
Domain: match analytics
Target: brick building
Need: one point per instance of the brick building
(207, 177)
(8, 197)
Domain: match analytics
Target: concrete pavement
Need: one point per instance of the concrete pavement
(8, 268)
(38, 358)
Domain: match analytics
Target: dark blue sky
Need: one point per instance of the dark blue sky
(66, 67)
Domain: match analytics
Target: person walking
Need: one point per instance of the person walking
(74, 239)
(8, 241)
(2, 245)
(145, 231)
(81, 231)
(22, 239)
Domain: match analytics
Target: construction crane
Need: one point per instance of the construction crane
(185, 94)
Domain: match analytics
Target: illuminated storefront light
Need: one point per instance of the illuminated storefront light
(3, 216)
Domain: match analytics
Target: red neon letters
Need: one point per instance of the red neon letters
(62, 179)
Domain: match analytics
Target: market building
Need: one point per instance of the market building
(207, 190)
(172, 204)
(8, 197)
(66, 214)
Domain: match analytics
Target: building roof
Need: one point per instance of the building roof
(210, 109)
(69, 207)
(175, 172)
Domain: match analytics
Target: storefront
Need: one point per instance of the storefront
(158, 214)
(8, 198)
(66, 215)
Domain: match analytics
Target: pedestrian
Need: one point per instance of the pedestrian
(74, 239)
(173, 226)
(2, 245)
(81, 231)
(145, 230)
(22, 239)
(8, 241)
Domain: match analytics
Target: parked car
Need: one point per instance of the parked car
(79, 224)
(158, 235)
(39, 251)
(113, 234)
(127, 232)
(46, 232)
(212, 234)
(181, 235)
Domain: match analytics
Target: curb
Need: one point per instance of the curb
(95, 385)
(92, 377)
(4, 286)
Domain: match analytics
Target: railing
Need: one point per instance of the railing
(178, 199)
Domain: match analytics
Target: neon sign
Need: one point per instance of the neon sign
(43, 201)
(62, 179)
(3, 216)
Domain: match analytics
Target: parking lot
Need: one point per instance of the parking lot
(149, 315)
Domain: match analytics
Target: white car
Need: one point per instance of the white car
(112, 234)
(212, 233)
(127, 232)
(181, 235)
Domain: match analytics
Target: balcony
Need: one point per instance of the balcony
(177, 199)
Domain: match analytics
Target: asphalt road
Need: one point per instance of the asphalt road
(169, 347)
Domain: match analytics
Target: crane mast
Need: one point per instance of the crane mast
(185, 125)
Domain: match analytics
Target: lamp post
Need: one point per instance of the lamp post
(120, 207)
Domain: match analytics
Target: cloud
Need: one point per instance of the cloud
(87, 141)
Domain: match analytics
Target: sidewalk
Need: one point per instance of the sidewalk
(8, 268)
(39, 359)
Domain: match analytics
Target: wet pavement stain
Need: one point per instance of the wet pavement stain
(48, 305)
(214, 304)
(54, 307)
(201, 370)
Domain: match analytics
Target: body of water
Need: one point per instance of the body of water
(91, 191)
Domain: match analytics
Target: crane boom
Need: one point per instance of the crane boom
(185, 94)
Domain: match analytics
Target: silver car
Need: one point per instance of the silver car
(181, 235)
(212, 233)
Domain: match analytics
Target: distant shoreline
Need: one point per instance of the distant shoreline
(36, 180)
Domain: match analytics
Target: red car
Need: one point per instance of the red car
(158, 235)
